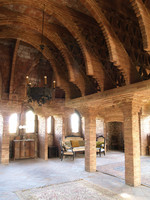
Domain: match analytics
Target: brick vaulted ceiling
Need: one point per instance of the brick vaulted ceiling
(90, 45)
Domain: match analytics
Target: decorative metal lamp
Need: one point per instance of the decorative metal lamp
(39, 94)
(36, 93)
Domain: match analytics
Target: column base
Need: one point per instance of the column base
(133, 185)
(90, 170)
(4, 162)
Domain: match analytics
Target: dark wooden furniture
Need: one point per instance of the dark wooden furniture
(102, 147)
(52, 151)
(66, 152)
(24, 149)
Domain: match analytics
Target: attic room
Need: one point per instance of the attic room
(74, 99)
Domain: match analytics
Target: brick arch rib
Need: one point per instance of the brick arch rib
(13, 67)
(117, 53)
(26, 38)
(62, 14)
(54, 38)
(143, 17)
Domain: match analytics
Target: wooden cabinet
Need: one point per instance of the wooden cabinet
(24, 149)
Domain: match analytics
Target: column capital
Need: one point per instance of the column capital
(131, 105)
(6, 113)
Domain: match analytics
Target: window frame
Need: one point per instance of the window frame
(50, 117)
(10, 132)
(33, 128)
(75, 115)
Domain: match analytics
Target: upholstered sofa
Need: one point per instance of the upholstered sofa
(72, 144)
(76, 143)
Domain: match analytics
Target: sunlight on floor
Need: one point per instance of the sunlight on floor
(125, 195)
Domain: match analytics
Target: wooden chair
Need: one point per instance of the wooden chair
(66, 151)
(100, 145)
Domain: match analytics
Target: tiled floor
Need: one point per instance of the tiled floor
(26, 174)
(117, 167)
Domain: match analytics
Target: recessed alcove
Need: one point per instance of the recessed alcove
(115, 138)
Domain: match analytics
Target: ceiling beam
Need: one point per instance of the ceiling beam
(11, 86)
(115, 96)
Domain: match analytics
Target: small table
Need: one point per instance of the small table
(52, 151)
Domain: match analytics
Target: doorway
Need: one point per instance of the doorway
(115, 138)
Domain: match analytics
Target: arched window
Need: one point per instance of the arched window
(30, 122)
(75, 123)
(13, 123)
(49, 124)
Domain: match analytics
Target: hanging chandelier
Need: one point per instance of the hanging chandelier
(36, 93)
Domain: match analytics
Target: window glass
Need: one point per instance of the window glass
(13, 123)
(30, 122)
(49, 124)
(75, 123)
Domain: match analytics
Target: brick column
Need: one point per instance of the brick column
(58, 130)
(4, 152)
(43, 143)
(132, 144)
(90, 142)
(64, 126)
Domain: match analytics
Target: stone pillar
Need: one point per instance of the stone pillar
(4, 152)
(90, 141)
(132, 144)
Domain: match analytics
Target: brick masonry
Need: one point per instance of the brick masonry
(99, 127)
(5, 141)
(132, 144)
(58, 130)
(42, 138)
(89, 124)
(90, 143)
(79, 71)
